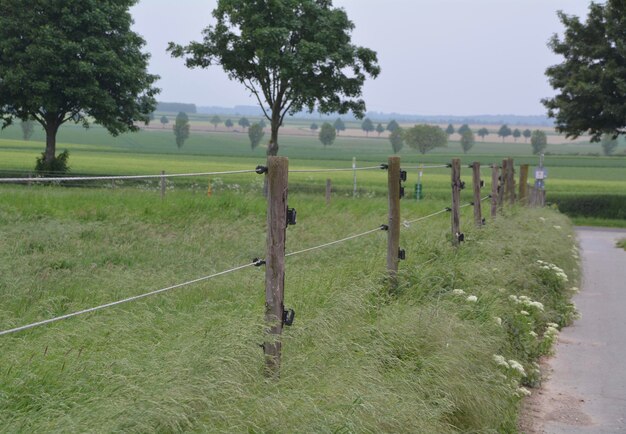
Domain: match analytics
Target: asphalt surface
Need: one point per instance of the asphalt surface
(588, 378)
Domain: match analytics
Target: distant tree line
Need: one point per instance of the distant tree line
(176, 107)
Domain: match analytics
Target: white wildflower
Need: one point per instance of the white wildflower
(542, 219)
(501, 289)
(523, 312)
(498, 320)
(522, 391)
(553, 325)
(558, 228)
(514, 364)
(458, 292)
(513, 298)
(574, 289)
(500, 361)
(533, 334)
(472, 299)
(537, 305)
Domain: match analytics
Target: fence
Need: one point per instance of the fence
(280, 216)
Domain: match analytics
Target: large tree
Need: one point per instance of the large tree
(504, 132)
(591, 81)
(539, 141)
(368, 126)
(467, 140)
(255, 134)
(483, 132)
(327, 134)
(290, 54)
(396, 138)
(243, 122)
(181, 129)
(339, 125)
(73, 60)
(392, 126)
(425, 137)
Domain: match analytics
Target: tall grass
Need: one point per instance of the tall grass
(358, 358)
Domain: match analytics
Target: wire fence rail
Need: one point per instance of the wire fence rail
(279, 217)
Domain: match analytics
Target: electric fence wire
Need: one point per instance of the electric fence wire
(409, 222)
(126, 300)
(332, 243)
(335, 170)
(123, 177)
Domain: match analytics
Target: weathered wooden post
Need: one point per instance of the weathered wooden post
(476, 184)
(456, 201)
(162, 184)
(328, 191)
(523, 184)
(277, 178)
(393, 235)
(494, 190)
(510, 181)
(502, 191)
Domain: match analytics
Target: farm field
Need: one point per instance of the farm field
(358, 358)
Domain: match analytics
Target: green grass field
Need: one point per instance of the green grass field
(358, 358)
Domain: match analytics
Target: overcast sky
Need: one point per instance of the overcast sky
(458, 57)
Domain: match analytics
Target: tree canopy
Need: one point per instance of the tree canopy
(243, 122)
(450, 130)
(539, 141)
(215, 120)
(591, 81)
(483, 132)
(463, 128)
(314, 127)
(425, 137)
(380, 129)
(339, 125)
(609, 143)
(392, 126)
(516, 134)
(181, 129)
(290, 54)
(255, 134)
(368, 126)
(396, 138)
(76, 61)
(526, 133)
(504, 132)
(164, 120)
(327, 134)
(467, 140)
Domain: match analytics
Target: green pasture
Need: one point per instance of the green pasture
(359, 358)
(94, 151)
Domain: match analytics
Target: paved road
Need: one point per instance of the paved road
(587, 389)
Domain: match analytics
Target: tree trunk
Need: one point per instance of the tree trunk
(51, 140)
(272, 147)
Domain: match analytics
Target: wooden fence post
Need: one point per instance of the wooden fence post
(494, 190)
(328, 191)
(478, 218)
(510, 181)
(162, 184)
(393, 235)
(277, 181)
(456, 201)
(354, 175)
(523, 184)
(502, 191)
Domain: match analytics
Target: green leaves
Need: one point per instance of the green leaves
(425, 137)
(73, 61)
(290, 54)
(591, 81)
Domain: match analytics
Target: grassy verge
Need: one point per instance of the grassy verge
(622, 243)
(427, 357)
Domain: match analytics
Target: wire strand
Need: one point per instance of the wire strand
(126, 300)
(335, 170)
(321, 246)
(408, 222)
(123, 177)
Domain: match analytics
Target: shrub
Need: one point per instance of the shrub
(58, 166)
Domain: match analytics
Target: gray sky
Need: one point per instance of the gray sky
(457, 57)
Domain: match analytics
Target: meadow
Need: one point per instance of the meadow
(425, 357)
